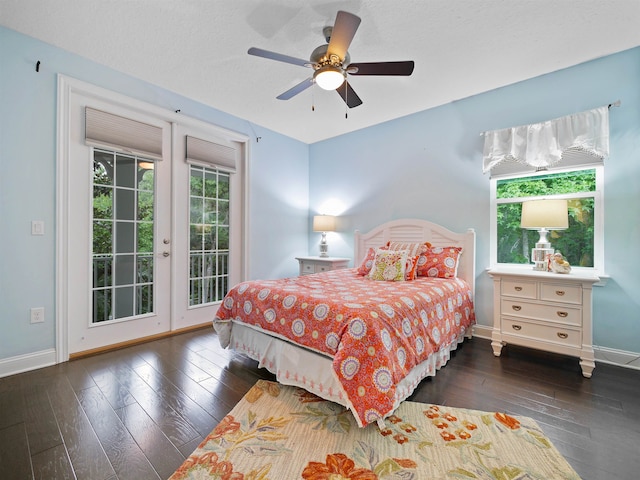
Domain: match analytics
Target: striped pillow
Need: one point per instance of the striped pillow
(413, 248)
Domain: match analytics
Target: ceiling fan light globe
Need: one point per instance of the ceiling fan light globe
(329, 77)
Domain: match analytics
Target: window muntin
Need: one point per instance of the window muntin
(581, 243)
(208, 235)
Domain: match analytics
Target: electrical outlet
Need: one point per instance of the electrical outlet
(37, 315)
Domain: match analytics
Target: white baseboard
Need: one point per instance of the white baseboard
(482, 331)
(617, 357)
(29, 361)
(46, 358)
(602, 354)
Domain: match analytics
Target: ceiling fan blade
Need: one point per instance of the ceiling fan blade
(349, 95)
(303, 85)
(258, 52)
(343, 32)
(382, 68)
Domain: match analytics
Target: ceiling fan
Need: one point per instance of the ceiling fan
(331, 62)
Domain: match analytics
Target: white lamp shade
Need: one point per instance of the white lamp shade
(546, 214)
(324, 223)
(329, 77)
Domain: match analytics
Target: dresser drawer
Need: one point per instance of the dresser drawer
(553, 313)
(546, 333)
(553, 292)
(307, 267)
(517, 288)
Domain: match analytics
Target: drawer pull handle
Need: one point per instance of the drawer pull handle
(560, 293)
(518, 327)
(563, 335)
(517, 289)
(562, 314)
(517, 308)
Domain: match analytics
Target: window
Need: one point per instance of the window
(561, 158)
(581, 243)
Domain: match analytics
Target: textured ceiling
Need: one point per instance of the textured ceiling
(198, 48)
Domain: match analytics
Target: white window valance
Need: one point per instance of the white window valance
(542, 145)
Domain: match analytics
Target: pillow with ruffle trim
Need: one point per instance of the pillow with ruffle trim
(440, 262)
(389, 265)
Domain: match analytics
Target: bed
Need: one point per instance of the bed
(361, 343)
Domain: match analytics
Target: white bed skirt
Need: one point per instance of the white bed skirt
(300, 367)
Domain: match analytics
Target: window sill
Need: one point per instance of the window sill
(525, 268)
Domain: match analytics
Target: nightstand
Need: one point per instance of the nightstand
(309, 265)
(544, 310)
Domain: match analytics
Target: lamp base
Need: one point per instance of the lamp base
(540, 256)
(324, 247)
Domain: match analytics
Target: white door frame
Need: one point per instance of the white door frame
(67, 87)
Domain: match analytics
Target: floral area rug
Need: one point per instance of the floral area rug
(278, 432)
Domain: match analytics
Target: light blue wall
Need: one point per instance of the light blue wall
(428, 165)
(278, 216)
(425, 165)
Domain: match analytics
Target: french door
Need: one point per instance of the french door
(146, 244)
(119, 237)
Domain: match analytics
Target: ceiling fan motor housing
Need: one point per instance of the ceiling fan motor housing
(320, 59)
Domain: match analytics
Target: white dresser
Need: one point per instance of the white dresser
(543, 310)
(309, 265)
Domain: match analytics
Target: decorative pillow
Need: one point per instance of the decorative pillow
(441, 262)
(414, 248)
(367, 261)
(411, 268)
(389, 265)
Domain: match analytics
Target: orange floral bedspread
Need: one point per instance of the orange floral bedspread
(375, 331)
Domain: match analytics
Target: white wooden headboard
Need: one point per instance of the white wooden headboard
(415, 230)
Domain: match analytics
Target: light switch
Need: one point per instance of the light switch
(37, 227)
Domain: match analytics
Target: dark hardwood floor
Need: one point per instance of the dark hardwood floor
(137, 413)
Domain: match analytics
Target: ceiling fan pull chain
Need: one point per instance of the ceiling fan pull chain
(346, 103)
(313, 101)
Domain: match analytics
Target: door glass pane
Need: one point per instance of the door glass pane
(208, 235)
(122, 236)
(102, 302)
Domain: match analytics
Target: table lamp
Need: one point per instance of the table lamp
(324, 224)
(544, 215)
